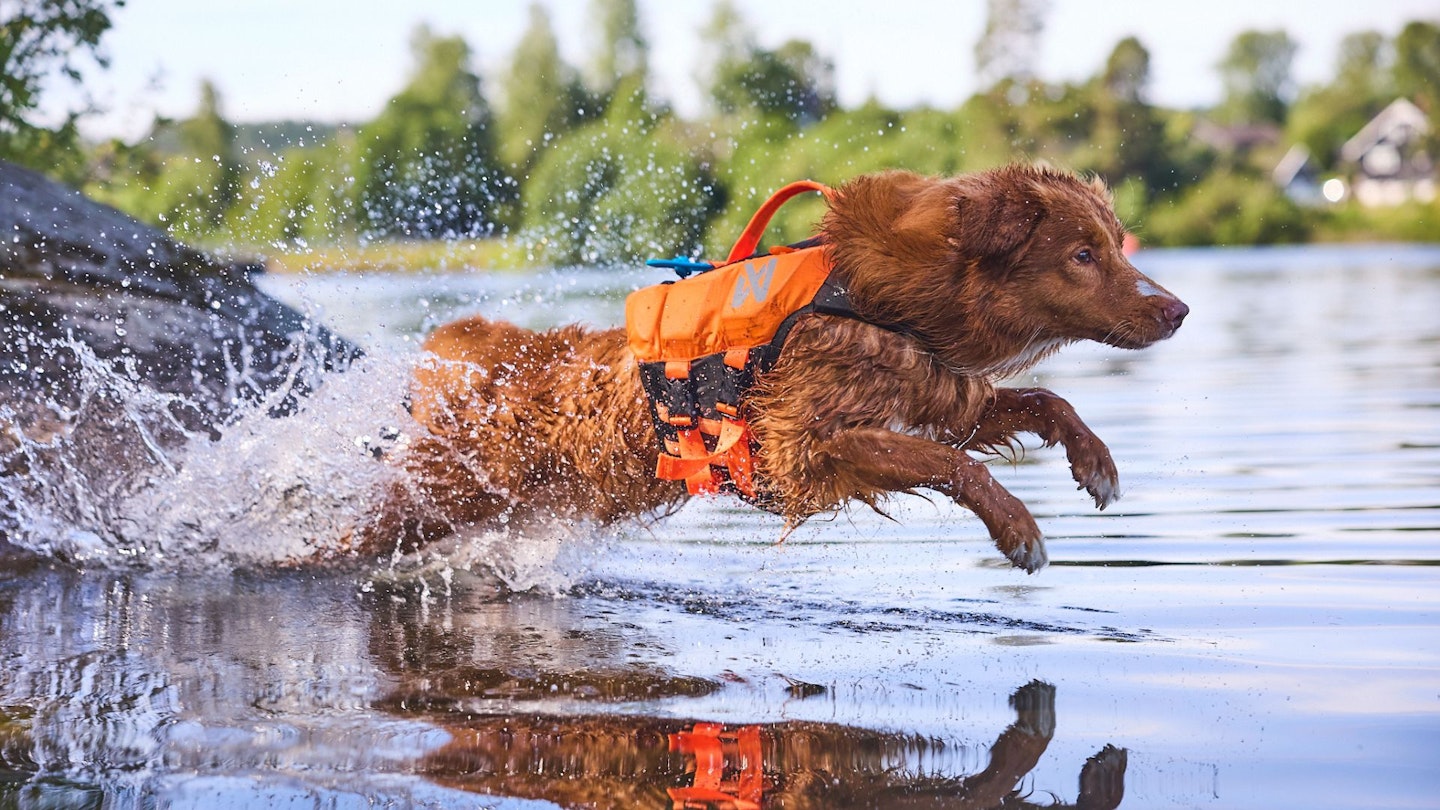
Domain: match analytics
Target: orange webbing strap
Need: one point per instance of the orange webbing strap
(732, 451)
(700, 479)
(750, 237)
(712, 746)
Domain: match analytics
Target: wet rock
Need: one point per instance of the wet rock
(73, 271)
(102, 316)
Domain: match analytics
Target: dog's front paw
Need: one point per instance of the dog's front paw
(1021, 541)
(1018, 536)
(1011, 525)
(1029, 556)
(1094, 470)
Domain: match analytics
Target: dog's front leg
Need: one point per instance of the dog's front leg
(1049, 416)
(874, 460)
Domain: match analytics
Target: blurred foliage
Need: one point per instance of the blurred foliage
(1417, 72)
(543, 96)
(1227, 209)
(588, 165)
(40, 39)
(429, 165)
(621, 52)
(306, 196)
(744, 79)
(1413, 221)
(618, 189)
(1007, 49)
(1326, 116)
(1255, 73)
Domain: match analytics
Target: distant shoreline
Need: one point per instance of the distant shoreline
(506, 255)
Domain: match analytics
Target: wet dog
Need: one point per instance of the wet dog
(978, 277)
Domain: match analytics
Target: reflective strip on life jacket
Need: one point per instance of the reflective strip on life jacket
(737, 305)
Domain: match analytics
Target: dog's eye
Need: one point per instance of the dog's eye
(1085, 256)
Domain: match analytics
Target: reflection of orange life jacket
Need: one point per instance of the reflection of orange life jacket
(702, 340)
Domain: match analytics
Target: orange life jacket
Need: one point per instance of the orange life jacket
(702, 340)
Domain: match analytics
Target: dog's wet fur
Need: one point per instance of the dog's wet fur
(978, 277)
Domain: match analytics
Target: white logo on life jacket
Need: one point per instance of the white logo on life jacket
(754, 284)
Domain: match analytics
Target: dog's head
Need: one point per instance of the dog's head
(995, 269)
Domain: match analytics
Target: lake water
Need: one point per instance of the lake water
(1256, 624)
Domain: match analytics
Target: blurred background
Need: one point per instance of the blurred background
(1253, 626)
(448, 134)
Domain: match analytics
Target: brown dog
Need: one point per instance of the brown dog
(986, 274)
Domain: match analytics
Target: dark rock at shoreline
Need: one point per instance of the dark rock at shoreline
(87, 291)
(73, 270)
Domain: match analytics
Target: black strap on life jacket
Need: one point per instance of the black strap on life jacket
(833, 298)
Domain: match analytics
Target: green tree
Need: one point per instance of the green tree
(1417, 62)
(725, 37)
(1417, 72)
(1228, 208)
(429, 160)
(1127, 72)
(619, 189)
(769, 153)
(40, 39)
(793, 82)
(305, 196)
(1365, 65)
(187, 187)
(1127, 138)
(209, 141)
(1256, 76)
(1324, 117)
(122, 175)
(543, 96)
(622, 54)
(1007, 50)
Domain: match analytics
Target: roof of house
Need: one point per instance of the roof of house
(1294, 166)
(1397, 124)
(1231, 137)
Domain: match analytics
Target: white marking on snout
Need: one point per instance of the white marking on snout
(1147, 289)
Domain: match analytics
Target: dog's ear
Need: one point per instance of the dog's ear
(994, 213)
(878, 221)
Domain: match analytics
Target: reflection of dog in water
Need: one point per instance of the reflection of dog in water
(953, 283)
(619, 761)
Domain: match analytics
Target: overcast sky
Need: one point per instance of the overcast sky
(339, 60)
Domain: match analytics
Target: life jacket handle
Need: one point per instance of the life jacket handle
(750, 238)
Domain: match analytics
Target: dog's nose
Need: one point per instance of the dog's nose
(1174, 313)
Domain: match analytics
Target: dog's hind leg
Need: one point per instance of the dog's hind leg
(1049, 416)
(866, 462)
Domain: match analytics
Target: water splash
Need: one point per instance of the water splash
(68, 462)
(548, 557)
(279, 490)
(113, 477)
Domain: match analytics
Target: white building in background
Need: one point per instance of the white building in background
(1384, 164)
(1387, 158)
